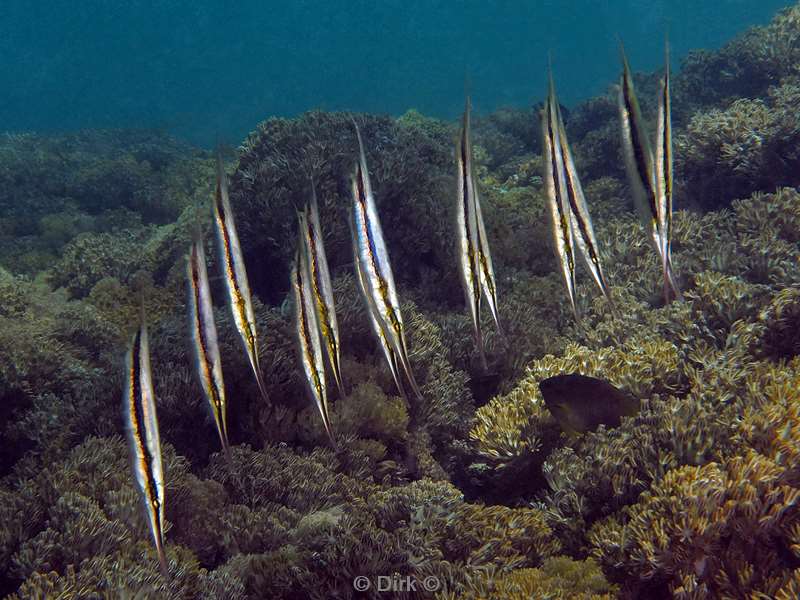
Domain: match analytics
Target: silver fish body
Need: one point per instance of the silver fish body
(557, 201)
(373, 260)
(374, 319)
(308, 334)
(488, 280)
(467, 232)
(204, 338)
(232, 262)
(638, 155)
(664, 182)
(145, 445)
(320, 279)
(582, 228)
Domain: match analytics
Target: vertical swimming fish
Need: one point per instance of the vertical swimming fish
(235, 275)
(638, 154)
(557, 201)
(321, 287)
(467, 231)
(372, 313)
(582, 228)
(308, 333)
(145, 446)
(484, 256)
(373, 260)
(204, 336)
(663, 179)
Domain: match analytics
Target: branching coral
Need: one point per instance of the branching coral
(724, 527)
(508, 426)
(696, 495)
(749, 146)
(745, 67)
(559, 578)
(411, 168)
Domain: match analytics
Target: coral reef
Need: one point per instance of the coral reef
(410, 164)
(474, 488)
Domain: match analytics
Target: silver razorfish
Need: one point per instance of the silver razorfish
(638, 154)
(376, 271)
(204, 336)
(664, 181)
(482, 252)
(145, 446)
(321, 287)
(467, 231)
(557, 202)
(236, 276)
(308, 333)
(372, 313)
(582, 228)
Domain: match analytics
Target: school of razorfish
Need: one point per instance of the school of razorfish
(650, 178)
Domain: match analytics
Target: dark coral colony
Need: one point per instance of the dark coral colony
(398, 357)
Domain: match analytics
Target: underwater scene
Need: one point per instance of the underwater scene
(543, 349)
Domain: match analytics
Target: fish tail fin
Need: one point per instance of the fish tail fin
(496, 316)
(575, 312)
(223, 438)
(412, 381)
(162, 559)
(327, 423)
(606, 291)
(333, 359)
(392, 360)
(337, 377)
(260, 382)
(671, 280)
(502, 333)
(573, 302)
(407, 368)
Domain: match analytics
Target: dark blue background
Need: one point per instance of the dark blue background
(204, 69)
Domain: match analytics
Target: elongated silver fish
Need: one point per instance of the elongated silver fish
(582, 228)
(467, 231)
(557, 201)
(145, 446)
(204, 336)
(235, 275)
(374, 319)
(663, 181)
(638, 154)
(484, 256)
(308, 333)
(373, 259)
(320, 278)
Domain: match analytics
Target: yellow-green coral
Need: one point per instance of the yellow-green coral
(511, 425)
(723, 527)
(559, 578)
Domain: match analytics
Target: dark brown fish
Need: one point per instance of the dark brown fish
(580, 403)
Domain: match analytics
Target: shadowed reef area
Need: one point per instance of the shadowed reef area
(696, 496)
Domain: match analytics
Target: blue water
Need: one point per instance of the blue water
(209, 69)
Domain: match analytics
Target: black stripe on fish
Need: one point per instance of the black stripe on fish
(229, 266)
(564, 223)
(208, 369)
(642, 161)
(139, 431)
(383, 286)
